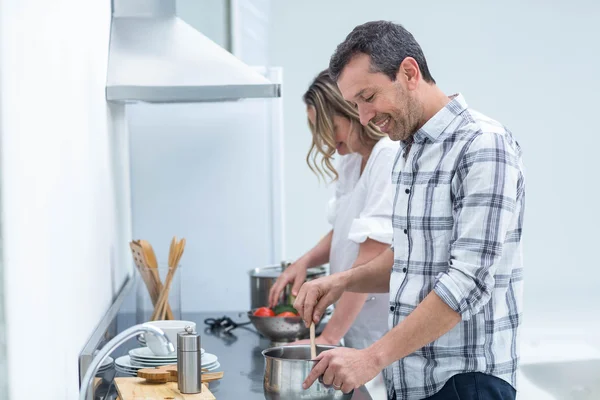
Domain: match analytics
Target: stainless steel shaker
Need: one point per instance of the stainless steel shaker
(189, 362)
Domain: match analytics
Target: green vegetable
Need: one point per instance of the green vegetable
(278, 309)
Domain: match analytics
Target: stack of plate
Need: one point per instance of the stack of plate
(144, 358)
(106, 365)
(123, 365)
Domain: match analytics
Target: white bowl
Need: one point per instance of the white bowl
(171, 329)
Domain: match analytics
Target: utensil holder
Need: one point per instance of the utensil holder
(145, 302)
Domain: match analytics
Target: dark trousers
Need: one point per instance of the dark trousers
(474, 386)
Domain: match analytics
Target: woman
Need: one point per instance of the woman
(360, 214)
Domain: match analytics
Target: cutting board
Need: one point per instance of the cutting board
(138, 389)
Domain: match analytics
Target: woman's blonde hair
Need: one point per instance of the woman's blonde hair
(324, 96)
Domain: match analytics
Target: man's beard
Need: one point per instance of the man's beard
(407, 117)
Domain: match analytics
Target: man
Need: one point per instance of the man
(454, 271)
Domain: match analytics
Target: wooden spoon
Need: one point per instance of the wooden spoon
(175, 253)
(178, 253)
(313, 346)
(153, 268)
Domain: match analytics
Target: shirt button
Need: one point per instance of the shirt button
(407, 191)
(403, 269)
(392, 308)
(406, 231)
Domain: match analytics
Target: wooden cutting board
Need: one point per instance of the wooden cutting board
(138, 389)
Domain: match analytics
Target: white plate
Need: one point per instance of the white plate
(210, 366)
(152, 364)
(107, 362)
(128, 373)
(136, 361)
(102, 369)
(144, 352)
(140, 356)
(124, 362)
(208, 359)
(146, 364)
(213, 367)
(125, 369)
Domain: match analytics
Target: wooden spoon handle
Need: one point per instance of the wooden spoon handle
(313, 346)
(175, 254)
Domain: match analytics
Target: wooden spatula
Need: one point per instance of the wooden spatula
(141, 263)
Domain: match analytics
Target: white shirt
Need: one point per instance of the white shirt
(361, 209)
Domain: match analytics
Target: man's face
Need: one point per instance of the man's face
(391, 105)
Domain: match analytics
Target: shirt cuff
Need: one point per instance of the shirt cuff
(463, 293)
(449, 292)
(378, 229)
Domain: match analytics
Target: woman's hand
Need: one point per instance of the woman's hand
(296, 274)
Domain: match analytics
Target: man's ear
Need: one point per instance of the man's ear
(409, 72)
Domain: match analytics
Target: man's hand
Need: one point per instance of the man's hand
(344, 368)
(315, 296)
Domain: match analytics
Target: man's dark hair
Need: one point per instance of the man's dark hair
(387, 44)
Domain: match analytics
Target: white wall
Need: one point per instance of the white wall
(3, 361)
(3, 356)
(532, 65)
(202, 171)
(64, 188)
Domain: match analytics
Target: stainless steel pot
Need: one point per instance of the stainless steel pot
(262, 279)
(286, 367)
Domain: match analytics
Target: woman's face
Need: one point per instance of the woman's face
(346, 140)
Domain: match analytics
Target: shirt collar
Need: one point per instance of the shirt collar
(440, 121)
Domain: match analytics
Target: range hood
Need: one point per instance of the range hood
(156, 57)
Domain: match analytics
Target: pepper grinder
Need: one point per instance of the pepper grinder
(189, 362)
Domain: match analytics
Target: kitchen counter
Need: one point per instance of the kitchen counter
(239, 353)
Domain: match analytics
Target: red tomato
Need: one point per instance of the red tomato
(287, 314)
(264, 312)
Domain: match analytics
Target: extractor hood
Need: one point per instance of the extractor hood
(156, 57)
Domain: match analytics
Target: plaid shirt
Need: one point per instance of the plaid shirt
(458, 213)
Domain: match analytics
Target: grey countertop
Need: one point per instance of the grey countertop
(239, 352)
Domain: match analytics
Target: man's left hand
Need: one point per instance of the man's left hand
(343, 368)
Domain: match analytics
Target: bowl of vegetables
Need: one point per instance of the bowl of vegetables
(279, 324)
